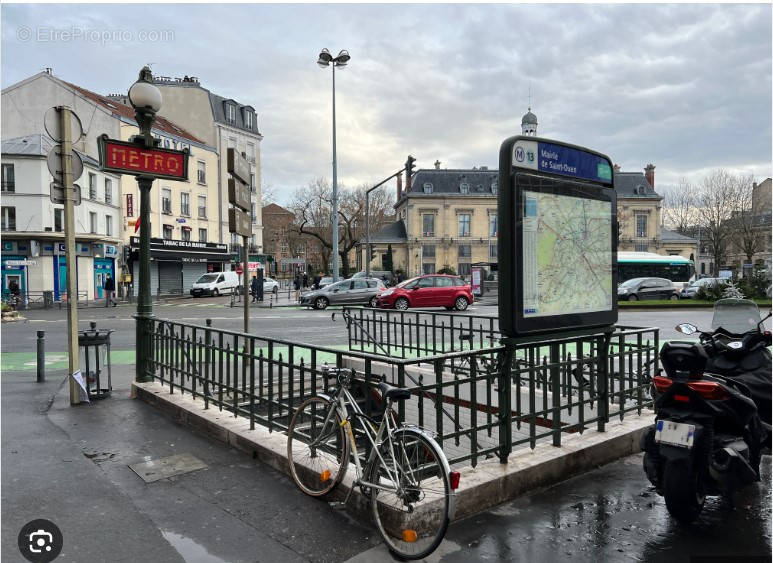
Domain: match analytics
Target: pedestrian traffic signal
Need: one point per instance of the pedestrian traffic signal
(409, 166)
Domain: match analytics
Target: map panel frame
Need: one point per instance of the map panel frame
(572, 171)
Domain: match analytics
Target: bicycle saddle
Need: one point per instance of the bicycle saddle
(394, 393)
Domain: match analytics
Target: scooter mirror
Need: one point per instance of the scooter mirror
(686, 328)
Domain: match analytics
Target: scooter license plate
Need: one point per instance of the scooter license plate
(675, 433)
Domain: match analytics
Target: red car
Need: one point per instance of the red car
(434, 290)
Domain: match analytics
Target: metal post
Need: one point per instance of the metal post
(69, 236)
(144, 304)
(367, 233)
(335, 185)
(245, 260)
(41, 356)
(504, 400)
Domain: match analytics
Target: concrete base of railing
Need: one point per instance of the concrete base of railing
(482, 487)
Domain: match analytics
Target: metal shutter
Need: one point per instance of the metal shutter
(170, 277)
(153, 277)
(191, 272)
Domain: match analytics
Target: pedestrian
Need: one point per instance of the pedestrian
(254, 286)
(297, 285)
(109, 287)
(315, 285)
(305, 280)
(13, 289)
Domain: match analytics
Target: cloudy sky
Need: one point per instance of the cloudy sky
(685, 87)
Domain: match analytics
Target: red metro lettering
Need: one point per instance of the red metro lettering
(144, 160)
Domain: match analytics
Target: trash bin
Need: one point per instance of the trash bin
(96, 354)
(48, 299)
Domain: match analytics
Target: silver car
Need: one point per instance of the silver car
(359, 291)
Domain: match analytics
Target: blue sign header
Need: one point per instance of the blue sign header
(560, 159)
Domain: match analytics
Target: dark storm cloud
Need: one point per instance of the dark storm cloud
(686, 87)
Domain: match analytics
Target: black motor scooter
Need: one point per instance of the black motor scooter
(712, 410)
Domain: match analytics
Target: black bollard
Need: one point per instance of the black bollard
(41, 356)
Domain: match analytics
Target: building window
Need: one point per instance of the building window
(186, 233)
(92, 222)
(202, 173)
(465, 251)
(230, 114)
(428, 251)
(493, 227)
(92, 186)
(202, 235)
(464, 225)
(464, 269)
(248, 119)
(252, 180)
(254, 213)
(641, 247)
(251, 152)
(168, 232)
(58, 220)
(108, 226)
(9, 218)
(464, 188)
(166, 201)
(232, 142)
(428, 268)
(202, 207)
(494, 187)
(641, 225)
(428, 225)
(185, 204)
(9, 180)
(108, 190)
(492, 250)
(427, 187)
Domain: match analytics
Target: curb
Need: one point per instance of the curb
(482, 487)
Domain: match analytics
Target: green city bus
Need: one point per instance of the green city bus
(678, 269)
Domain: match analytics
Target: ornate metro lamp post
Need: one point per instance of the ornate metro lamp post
(145, 98)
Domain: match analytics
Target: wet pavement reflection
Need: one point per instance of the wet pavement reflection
(614, 514)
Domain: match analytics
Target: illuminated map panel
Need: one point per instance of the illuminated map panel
(567, 255)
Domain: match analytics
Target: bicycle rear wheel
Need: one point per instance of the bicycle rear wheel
(317, 448)
(411, 506)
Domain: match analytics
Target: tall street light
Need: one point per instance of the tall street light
(325, 60)
(145, 98)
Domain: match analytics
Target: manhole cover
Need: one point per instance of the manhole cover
(164, 467)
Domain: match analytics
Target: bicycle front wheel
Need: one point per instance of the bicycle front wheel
(317, 448)
(411, 501)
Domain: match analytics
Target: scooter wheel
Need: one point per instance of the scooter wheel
(683, 491)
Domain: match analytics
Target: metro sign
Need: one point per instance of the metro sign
(131, 158)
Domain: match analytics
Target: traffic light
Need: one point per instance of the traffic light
(409, 166)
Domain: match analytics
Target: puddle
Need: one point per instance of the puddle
(190, 550)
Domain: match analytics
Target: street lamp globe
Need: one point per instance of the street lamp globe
(342, 58)
(324, 58)
(143, 94)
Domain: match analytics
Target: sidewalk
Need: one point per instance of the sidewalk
(71, 465)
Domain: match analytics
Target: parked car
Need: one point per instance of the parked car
(327, 280)
(360, 291)
(379, 274)
(215, 283)
(691, 291)
(432, 290)
(270, 285)
(637, 289)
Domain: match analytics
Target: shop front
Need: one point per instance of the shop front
(176, 264)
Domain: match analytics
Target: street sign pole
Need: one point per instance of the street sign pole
(69, 237)
(245, 267)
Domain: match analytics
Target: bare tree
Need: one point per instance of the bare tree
(680, 208)
(313, 208)
(268, 194)
(745, 234)
(717, 199)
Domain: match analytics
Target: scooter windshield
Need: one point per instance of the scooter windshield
(736, 316)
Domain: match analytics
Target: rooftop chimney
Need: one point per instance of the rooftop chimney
(649, 173)
(408, 182)
(617, 167)
(437, 165)
(399, 186)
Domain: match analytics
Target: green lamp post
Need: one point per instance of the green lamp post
(145, 98)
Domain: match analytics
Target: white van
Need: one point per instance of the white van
(216, 283)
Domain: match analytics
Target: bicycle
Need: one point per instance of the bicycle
(406, 477)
